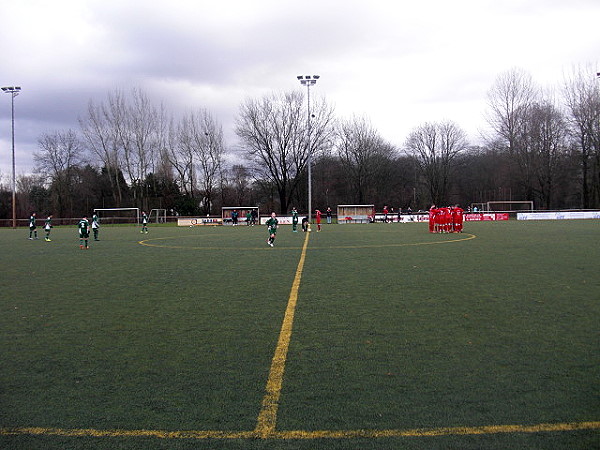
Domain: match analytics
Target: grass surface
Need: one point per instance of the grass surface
(394, 329)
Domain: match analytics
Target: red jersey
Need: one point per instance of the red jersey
(457, 218)
(432, 213)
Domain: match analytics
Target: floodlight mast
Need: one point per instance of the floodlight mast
(308, 81)
(14, 91)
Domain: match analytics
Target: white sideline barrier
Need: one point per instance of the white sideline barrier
(196, 221)
(559, 215)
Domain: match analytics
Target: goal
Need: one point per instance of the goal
(118, 215)
(524, 205)
(158, 215)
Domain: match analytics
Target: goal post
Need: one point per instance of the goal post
(118, 215)
(158, 215)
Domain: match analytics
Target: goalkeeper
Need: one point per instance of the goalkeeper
(144, 223)
(95, 226)
(272, 224)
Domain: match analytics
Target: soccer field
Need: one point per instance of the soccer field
(360, 336)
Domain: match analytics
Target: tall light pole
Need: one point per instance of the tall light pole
(13, 91)
(308, 81)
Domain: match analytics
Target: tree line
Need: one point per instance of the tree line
(130, 152)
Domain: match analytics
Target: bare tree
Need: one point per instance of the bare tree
(240, 182)
(137, 124)
(275, 135)
(363, 153)
(209, 149)
(126, 134)
(101, 138)
(179, 152)
(60, 153)
(509, 101)
(547, 133)
(435, 147)
(582, 96)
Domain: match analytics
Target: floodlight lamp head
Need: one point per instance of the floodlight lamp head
(316, 77)
(11, 89)
(299, 77)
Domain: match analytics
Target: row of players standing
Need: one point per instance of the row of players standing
(83, 226)
(447, 219)
(318, 215)
(251, 218)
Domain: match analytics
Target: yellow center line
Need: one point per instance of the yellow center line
(267, 418)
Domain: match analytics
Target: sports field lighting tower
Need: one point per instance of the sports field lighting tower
(308, 81)
(13, 91)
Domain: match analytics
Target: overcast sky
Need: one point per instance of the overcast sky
(398, 63)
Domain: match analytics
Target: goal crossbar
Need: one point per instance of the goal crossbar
(158, 215)
(136, 210)
(492, 206)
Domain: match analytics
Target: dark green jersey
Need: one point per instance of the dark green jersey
(32, 222)
(294, 216)
(272, 224)
(48, 223)
(83, 226)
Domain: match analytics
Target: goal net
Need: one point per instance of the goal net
(118, 215)
(158, 215)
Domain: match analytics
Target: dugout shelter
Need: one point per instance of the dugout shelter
(355, 213)
(242, 211)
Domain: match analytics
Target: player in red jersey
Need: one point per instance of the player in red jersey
(457, 219)
(318, 215)
(439, 220)
(447, 220)
(432, 212)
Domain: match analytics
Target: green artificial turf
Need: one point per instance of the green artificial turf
(394, 329)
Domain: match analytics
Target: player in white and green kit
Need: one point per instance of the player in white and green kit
(84, 233)
(32, 227)
(48, 228)
(95, 226)
(144, 223)
(294, 220)
(272, 224)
